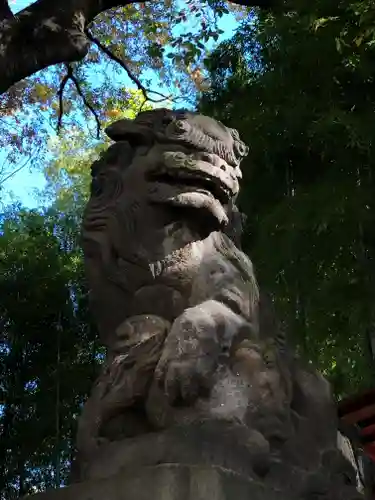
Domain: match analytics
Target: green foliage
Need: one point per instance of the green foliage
(48, 350)
(300, 89)
(68, 173)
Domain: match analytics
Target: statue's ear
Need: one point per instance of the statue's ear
(127, 130)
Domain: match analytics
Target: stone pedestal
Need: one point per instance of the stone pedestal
(168, 482)
(208, 461)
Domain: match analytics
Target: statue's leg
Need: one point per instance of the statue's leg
(90, 421)
(124, 379)
(195, 343)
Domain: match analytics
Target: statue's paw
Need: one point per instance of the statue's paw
(185, 379)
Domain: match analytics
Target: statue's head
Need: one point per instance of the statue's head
(175, 158)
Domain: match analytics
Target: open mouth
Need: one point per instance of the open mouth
(198, 182)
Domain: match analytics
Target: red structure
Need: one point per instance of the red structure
(359, 411)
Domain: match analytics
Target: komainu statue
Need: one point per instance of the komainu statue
(198, 373)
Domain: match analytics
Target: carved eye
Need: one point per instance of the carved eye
(240, 149)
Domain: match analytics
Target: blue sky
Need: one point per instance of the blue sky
(23, 185)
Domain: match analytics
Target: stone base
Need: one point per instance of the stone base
(210, 460)
(168, 482)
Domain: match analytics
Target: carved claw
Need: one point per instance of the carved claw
(192, 350)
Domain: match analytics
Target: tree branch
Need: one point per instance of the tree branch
(48, 33)
(70, 76)
(130, 74)
(14, 172)
(60, 94)
(262, 4)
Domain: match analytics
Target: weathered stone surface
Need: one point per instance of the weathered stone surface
(168, 482)
(200, 397)
(170, 290)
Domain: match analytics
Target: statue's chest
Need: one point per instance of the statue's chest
(172, 253)
(173, 266)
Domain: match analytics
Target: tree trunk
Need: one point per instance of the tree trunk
(48, 33)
